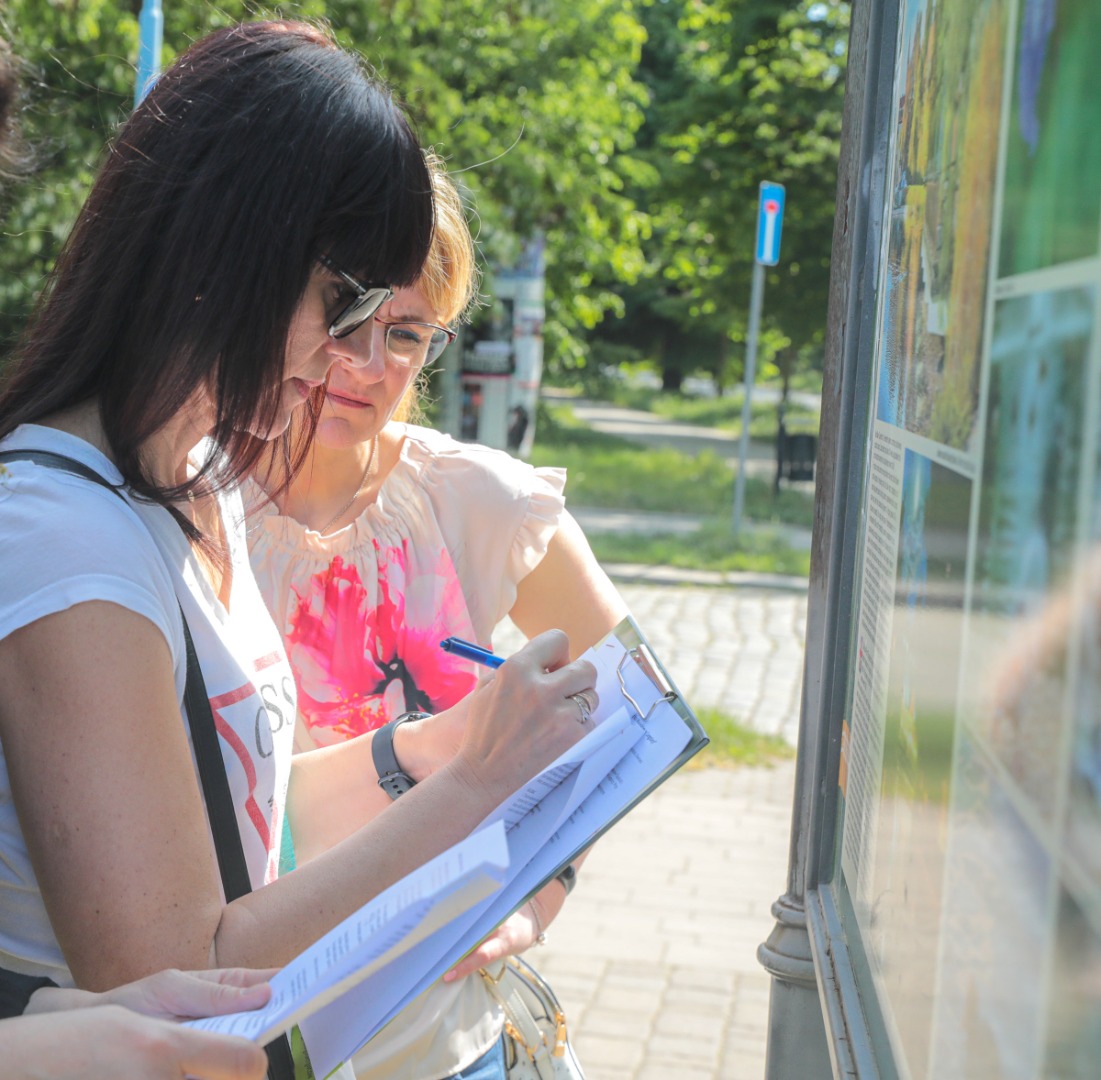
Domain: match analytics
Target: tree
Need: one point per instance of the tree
(741, 91)
(534, 102)
(71, 102)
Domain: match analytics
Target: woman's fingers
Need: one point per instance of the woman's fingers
(186, 995)
(516, 934)
(532, 709)
(495, 947)
(547, 651)
(212, 993)
(238, 976)
(108, 1042)
(205, 1056)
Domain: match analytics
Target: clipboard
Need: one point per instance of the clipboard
(640, 656)
(634, 668)
(645, 732)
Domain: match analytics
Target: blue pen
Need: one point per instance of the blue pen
(469, 651)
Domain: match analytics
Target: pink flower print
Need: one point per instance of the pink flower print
(420, 605)
(358, 664)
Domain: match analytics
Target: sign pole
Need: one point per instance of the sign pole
(770, 219)
(755, 296)
(151, 38)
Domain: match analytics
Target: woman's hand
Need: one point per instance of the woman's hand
(523, 717)
(107, 1042)
(520, 931)
(169, 995)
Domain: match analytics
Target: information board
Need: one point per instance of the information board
(970, 820)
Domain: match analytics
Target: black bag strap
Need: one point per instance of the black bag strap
(212, 776)
(208, 754)
(61, 461)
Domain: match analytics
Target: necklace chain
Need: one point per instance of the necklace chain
(355, 494)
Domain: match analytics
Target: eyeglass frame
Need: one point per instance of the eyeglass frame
(361, 290)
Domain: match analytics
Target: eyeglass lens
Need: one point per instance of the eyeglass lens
(412, 344)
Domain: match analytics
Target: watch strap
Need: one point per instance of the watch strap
(568, 877)
(391, 777)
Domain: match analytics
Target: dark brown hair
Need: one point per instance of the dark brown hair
(263, 146)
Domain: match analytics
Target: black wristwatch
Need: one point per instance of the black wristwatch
(391, 777)
(568, 877)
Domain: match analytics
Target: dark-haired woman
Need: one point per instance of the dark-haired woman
(249, 218)
(130, 1031)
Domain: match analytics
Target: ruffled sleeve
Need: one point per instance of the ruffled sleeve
(545, 503)
(497, 515)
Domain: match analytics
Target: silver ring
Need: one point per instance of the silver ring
(581, 699)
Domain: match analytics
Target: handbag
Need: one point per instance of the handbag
(211, 769)
(537, 1044)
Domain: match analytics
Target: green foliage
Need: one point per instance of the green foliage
(621, 477)
(616, 474)
(733, 743)
(741, 91)
(78, 78)
(630, 134)
(534, 103)
(724, 413)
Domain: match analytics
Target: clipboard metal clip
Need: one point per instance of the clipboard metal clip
(645, 662)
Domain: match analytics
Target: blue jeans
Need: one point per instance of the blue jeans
(490, 1066)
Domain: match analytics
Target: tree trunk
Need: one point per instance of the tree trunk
(672, 377)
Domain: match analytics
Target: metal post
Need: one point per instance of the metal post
(798, 1044)
(151, 31)
(756, 297)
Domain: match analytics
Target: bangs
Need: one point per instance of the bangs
(378, 220)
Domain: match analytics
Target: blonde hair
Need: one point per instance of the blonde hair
(449, 278)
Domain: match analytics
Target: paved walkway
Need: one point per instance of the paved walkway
(654, 956)
(652, 430)
(646, 427)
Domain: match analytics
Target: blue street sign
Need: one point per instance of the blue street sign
(770, 220)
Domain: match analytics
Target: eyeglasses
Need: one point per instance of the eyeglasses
(408, 344)
(368, 299)
(415, 344)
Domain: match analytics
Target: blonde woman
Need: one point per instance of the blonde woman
(391, 538)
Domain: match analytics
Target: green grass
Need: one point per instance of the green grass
(616, 474)
(733, 744)
(709, 548)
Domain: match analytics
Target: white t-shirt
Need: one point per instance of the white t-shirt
(66, 541)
